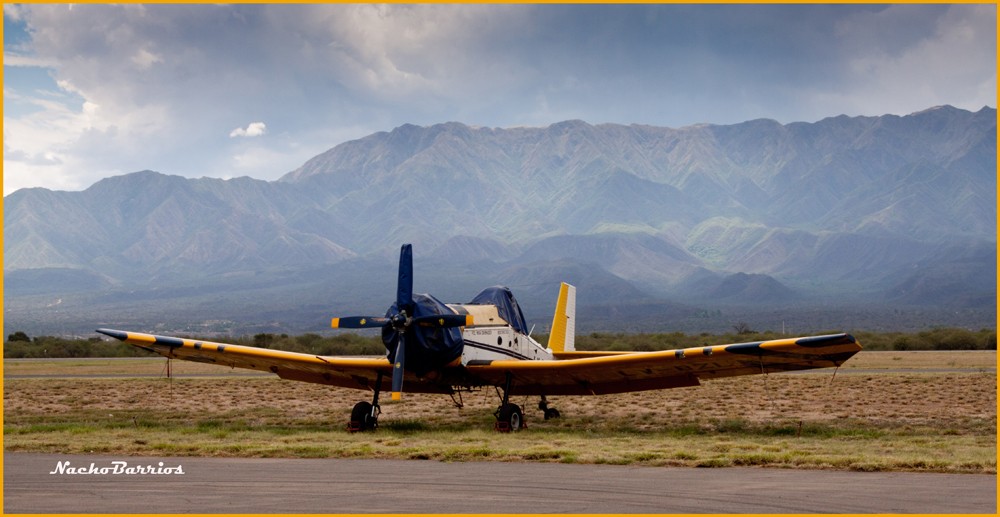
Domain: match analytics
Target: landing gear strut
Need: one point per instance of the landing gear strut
(510, 418)
(364, 416)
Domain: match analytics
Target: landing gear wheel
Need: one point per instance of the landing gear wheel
(362, 418)
(510, 418)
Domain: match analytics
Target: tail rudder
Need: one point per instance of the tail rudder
(562, 337)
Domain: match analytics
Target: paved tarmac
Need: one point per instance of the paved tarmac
(43, 483)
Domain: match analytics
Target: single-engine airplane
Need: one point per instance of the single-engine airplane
(433, 347)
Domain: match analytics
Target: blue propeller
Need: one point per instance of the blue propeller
(401, 318)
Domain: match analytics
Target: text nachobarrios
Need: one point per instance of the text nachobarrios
(117, 468)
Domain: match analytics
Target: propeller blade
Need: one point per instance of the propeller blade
(404, 289)
(358, 322)
(397, 368)
(445, 320)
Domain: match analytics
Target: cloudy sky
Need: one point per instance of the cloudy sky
(92, 91)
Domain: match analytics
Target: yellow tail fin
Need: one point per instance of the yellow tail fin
(562, 338)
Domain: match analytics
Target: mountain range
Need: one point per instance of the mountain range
(886, 215)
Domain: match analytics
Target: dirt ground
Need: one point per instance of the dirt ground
(944, 404)
(896, 396)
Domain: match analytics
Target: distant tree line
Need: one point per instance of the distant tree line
(935, 339)
(20, 345)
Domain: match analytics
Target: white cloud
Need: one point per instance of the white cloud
(145, 59)
(11, 59)
(952, 62)
(252, 130)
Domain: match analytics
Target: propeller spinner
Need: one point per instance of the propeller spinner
(402, 320)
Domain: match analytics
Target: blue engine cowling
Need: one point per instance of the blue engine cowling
(427, 348)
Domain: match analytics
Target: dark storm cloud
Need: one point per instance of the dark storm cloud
(133, 86)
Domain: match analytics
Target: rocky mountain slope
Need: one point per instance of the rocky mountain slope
(895, 209)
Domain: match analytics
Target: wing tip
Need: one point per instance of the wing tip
(117, 334)
(827, 340)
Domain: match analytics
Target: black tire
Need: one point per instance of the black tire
(550, 412)
(362, 418)
(511, 416)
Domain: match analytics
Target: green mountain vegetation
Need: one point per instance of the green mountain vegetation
(888, 219)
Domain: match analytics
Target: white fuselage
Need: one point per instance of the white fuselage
(493, 339)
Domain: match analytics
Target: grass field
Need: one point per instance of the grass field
(916, 411)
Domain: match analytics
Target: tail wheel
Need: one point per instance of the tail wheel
(362, 418)
(510, 418)
(550, 412)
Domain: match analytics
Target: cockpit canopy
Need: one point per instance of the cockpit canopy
(506, 305)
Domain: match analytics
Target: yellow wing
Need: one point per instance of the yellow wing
(347, 372)
(587, 374)
(578, 373)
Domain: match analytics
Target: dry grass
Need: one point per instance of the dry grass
(140, 366)
(154, 365)
(901, 419)
(923, 360)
